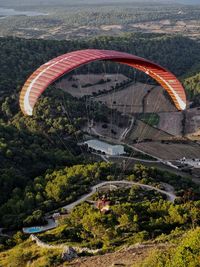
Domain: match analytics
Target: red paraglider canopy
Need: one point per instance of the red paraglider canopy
(57, 67)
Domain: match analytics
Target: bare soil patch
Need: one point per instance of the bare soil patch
(125, 257)
(158, 101)
(111, 27)
(171, 122)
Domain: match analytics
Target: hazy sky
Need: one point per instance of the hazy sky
(65, 2)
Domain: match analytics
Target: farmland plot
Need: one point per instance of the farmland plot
(192, 124)
(83, 84)
(128, 100)
(157, 100)
(170, 151)
(143, 131)
(171, 122)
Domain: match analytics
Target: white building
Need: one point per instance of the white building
(106, 148)
(195, 163)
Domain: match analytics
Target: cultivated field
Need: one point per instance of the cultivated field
(175, 124)
(76, 85)
(135, 98)
(127, 100)
(157, 100)
(170, 151)
(143, 131)
(171, 122)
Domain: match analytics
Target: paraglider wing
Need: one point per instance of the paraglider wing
(59, 66)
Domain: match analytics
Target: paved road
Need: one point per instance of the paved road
(129, 157)
(165, 162)
(169, 191)
(107, 157)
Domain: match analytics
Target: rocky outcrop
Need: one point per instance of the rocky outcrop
(69, 254)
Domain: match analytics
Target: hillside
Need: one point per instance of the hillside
(45, 166)
(179, 249)
(185, 252)
(136, 216)
(53, 129)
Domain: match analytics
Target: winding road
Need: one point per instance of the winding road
(169, 191)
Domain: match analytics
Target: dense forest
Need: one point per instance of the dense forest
(20, 57)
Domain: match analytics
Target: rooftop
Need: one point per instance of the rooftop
(105, 147)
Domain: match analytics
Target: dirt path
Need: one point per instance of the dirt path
(125, 257)
(127, 130)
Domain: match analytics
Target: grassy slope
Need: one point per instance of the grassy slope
(179, 251)
(27, 252)
(185, 252)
